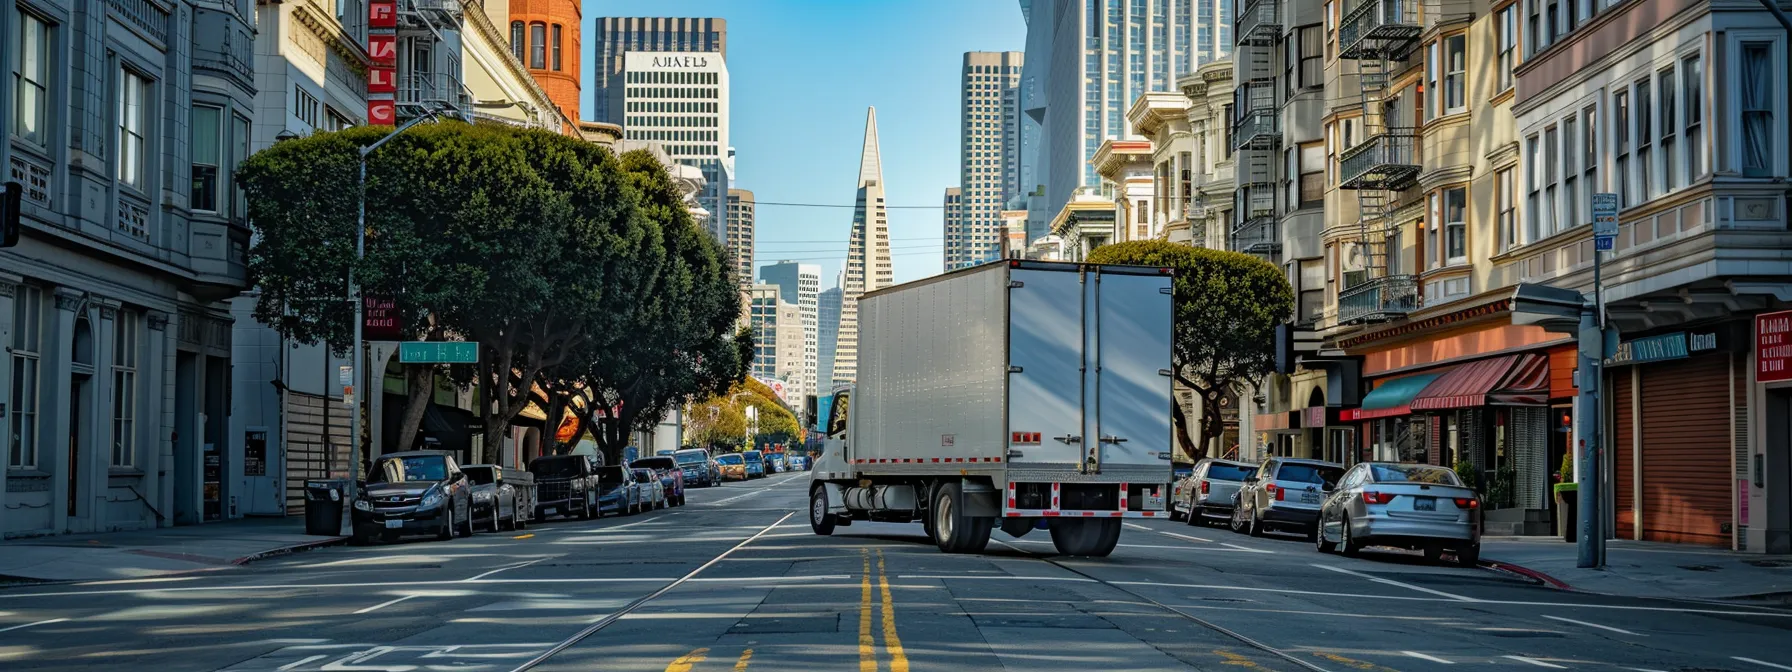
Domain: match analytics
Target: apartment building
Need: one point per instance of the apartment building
(1125, 166)
(545, 35)
(1191, 158)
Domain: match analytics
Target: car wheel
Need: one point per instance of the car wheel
(1319, 542)
(1196, 516)
(820, 520)
(1347, 543)
(497, 520)
(447, 531)
(1254, 526)
(1469, 556)
(466, 526)
(1237, 522)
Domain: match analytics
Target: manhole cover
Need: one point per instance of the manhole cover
(1700, 568)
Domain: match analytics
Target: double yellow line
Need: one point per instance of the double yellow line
(892, 643)
(690, 660)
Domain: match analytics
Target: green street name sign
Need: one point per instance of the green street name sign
(442, 352)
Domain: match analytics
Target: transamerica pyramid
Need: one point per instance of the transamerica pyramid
(867, 253)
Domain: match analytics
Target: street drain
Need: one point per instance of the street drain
(1770, 564)
(1700, 568)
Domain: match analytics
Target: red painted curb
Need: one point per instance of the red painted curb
(1528, 573)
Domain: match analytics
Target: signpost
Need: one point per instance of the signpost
(438, 352)
(1593, 355)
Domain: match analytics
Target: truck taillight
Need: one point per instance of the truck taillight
(1374, 497)
(1204, 487)
(1278, 492)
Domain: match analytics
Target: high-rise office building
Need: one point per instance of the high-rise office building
(867, 253)
(800, 284)
(738, 237)
(827, 335)
(989, 155)
(953, 222)
(777, 336)
(1211, 22)
(666, 81)
(544, 35)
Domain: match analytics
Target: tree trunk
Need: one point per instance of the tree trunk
(1179, 427)
(420, 387)
(1212, 427)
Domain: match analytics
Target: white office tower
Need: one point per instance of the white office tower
(989, 156)
(680, 100)
(827, 334)
(867, 254)
(800, 285)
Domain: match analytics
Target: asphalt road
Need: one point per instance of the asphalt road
(736, 581)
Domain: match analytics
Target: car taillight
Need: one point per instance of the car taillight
(1204, 487)
(1468, 503)
(1374, 497)
(1278, 492)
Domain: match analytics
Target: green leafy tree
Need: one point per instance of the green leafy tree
(1227, 307)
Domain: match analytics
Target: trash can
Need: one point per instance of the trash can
(323, 507)
(1567, 497)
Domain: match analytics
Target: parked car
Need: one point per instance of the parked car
(799, 463)
(671, 476)
(618, 494)
(413, 492)
(778, 462)
(502, 497)
(1411, 506)
(1285, 494)
(698, 469)
(1206, 495)
(653, 493)
(756, 467)
(732, 467)
(566, 485)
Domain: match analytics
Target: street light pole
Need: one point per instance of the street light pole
(354, 296)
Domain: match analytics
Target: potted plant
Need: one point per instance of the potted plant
(1567, 498)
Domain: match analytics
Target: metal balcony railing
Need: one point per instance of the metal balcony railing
(423, 14)
(1260, 129)
(1379, 29)
(1256, 235)
(1258, 22)
(429, 90)
(1386, 160)
(1378, 299)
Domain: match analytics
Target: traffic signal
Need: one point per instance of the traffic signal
(11, 202)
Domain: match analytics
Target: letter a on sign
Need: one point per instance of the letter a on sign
(382, 112)
(382, 80)
(382, 14)
(383, 48)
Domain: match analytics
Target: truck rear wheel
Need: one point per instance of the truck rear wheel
(953, 531)
(1086, 537)
(820, 521)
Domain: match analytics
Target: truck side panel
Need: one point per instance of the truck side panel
(931, 375)
(1045, 342)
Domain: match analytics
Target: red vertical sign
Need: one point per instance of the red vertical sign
(1773, 347)
(383, 49)
(382, 14)
(382, 112)
(382, 79)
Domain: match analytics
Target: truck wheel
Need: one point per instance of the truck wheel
(820, 520)
(953, 531)
(1090, 538)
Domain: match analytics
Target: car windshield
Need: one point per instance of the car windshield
(1413, 473)
(416, 468)
(655, 463)
(1310, 473)
(731, 458)
(481, 475)
(556, 467)
(754, 455)
(643, 476)
(612, 475)
(1229, 472)
(691, 457)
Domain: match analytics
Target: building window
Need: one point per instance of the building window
(31, 79)
(1433, 237)
(558, 64)
(27, 343)
(1551, 167)
(133, 120)
(517, 43)
(1670, 161)
(1508, 46)
(1692, 72)
(1533, 177)
(207, 157)
(125, 353)
(1455, 74)
(1571, 212)
(1621, 134)
(1433, 63)
(538, 46)
(305, 106)
(1505, 201)
(1144, 213)
(1757, 109)
(1590, 158)
(1456, 225)
(1312, 175)
(239, 142)
(1644, 112)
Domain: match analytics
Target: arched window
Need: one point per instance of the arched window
(538, 46)
(516, 39)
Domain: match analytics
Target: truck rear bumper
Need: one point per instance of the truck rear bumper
(1089, 500)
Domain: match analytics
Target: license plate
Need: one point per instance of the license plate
(1424, 503)
(394, 524)
(1309, 498)
(548, 511)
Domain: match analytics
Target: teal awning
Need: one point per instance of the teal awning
(1394, 397)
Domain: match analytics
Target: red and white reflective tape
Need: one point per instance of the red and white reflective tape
(1048, 513)
(926, 460)
(1122, 496)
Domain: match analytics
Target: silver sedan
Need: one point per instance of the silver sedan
(1411, 506)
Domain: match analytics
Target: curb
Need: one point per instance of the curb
(287, 550)
(1527, 573)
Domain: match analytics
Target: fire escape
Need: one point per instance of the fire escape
(1256, 129)
(1378, 34)
(429, 76)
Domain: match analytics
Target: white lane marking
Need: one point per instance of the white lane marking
(1245, 549)
(385, 604)
(1185, 536)
(27, 625)
(500, 569)
(1620, 631)
(299, 663)
(720, 502)
(1539, 663)
(1431, 658)
(1762, 663)
(1399, 584)
(1072, 579)
(1137, 526)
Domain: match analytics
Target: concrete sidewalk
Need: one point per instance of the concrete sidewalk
(1645, 569)
(158, 552)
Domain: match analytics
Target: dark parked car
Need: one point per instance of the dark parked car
(756, 465)
(671, 476)
(617, 492)
(698, 469)
(565, 485)
(414, 492)
(799, 463)
(502, 497)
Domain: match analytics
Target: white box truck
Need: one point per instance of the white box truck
(1017, 394)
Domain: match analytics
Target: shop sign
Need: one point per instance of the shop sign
(1664, 347)
(1773, 347)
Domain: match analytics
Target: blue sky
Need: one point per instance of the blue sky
(802, 73)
